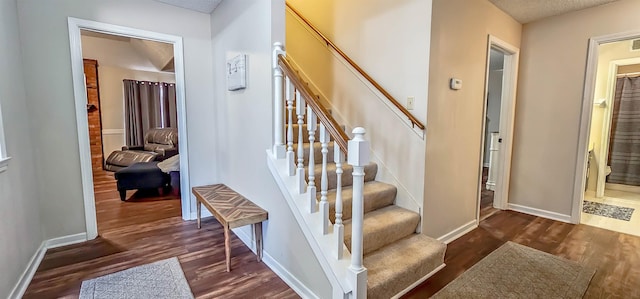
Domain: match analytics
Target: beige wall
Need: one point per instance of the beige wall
(548, 110)
(118, 60)
(607, 54)
(45, 49)
(454, 130)
(20, 225)
(361, 29)
(243, 131)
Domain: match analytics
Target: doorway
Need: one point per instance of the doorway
(80, 95)
(611, 194)
(497, 127)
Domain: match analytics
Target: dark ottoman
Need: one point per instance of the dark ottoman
(144, 175)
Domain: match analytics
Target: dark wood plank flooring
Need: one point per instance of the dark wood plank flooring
(147, 229)
(616, 256)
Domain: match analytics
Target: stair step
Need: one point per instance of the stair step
(397, 266)
(370, 172)
(383, 227)
(317, 152)
(376, 195)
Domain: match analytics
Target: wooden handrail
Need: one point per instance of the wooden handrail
(413, 119)
(337, 133)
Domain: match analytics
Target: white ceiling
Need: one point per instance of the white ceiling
(525, 11)
(204, 6)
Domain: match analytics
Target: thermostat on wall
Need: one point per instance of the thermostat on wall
(455, 84)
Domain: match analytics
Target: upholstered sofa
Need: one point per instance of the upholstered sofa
(161, 141)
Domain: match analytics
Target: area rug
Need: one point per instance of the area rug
(162, 279)
(516, 271)
(611, 211)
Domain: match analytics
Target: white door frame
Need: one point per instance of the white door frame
(606, 120)
(507, 119)
(587, 111)
(80, 95)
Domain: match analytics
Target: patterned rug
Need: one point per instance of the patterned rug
(611, 211)
(516, 271)
(162, 279)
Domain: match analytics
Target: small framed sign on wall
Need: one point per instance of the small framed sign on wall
(237, 72)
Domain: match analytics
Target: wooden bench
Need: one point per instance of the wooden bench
(232, 210)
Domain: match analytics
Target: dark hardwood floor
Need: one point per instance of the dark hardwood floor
(616, 256)
(146, 229)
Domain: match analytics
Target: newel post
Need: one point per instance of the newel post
(279, 148)
(358, 157)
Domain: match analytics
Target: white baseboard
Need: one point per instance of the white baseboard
(421, 280)
(276, 267)
(66, 240)
(36, 259)
(540, 213)
(458, 232)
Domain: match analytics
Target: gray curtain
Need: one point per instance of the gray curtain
(148, 105)
(624, 141)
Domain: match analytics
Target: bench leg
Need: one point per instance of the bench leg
(227, 247)
(258, 234)
(198, 210)
(123, 195)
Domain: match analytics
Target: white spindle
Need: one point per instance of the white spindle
(311, 186)
(358, 157)
(338, 227)
(300, 110)
(278, 117)
(324, 184)
(289, 89)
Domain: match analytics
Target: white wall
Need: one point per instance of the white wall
(244, 129)
(118, 60)
(454, 130)
(45, 48)
(20, 225)
(549, 101)
(361, 29)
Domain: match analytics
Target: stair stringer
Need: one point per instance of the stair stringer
(404, 198)
(323, 246)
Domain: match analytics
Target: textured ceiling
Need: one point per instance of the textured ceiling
(525, 11)
(204, 6)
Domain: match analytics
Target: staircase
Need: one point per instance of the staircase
(367, 245)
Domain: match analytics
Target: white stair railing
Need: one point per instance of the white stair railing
(288, 87)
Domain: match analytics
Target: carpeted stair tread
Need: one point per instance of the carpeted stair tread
(384, 226)
(317, 152)
(376, 195)
(397, 266)
(370, 172)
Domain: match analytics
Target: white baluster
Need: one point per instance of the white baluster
(338, 227)
(324, 184)
(358, 157)
(300, 110)
(290, 155)
(311, 186)
(278, 101)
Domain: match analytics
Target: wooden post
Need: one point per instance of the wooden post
(358, 157)
(278, 104)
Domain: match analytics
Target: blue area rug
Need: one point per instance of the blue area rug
(611, 211)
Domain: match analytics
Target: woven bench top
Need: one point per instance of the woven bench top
(228, 206)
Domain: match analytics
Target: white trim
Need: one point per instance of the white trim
(579, 179)
(112, 131)
(26, 277)
(421, 280)
(4, 163)
(540, 213)
(75, 44)
(4, 157)
(485, 164)
(66, 240)
(458, 232)
(507, 122)
(300, 288)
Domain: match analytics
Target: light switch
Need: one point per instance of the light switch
(455, 84)
(410, 102)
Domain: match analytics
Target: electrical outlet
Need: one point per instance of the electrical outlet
(410, 101)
